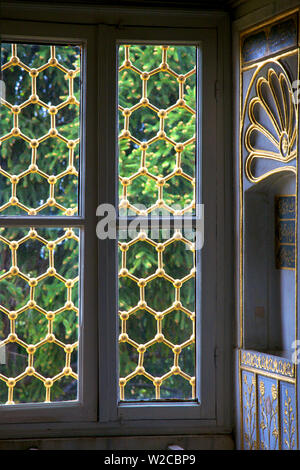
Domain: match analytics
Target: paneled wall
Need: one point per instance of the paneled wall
(268, 204)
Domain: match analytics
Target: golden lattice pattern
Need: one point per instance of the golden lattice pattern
(162, 115)
(53, 133)
(13, 315)
(160, 337)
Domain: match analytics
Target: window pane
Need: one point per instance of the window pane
(157, 127)
(157, 316)
(38, 314)
(39, 135)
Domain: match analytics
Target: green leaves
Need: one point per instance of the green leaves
(179, 125)
(52, 158)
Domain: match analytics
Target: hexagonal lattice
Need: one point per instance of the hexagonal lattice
(157, 327)
(39, 335)
(36, 110)
(144, 123)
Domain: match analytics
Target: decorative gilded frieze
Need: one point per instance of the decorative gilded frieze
(268, 363)
(268, 407)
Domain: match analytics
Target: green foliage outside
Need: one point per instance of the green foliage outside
(32, 191)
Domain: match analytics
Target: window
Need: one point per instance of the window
(39, 284)
(43, 229)
(123, 115)
(157, 141)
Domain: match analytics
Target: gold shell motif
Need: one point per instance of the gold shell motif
(272, 132)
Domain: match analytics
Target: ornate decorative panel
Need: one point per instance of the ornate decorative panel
(269, 40)
(268, 402)
(285, 232)
(249, 408)
(268, 413)
(288, 416)
(268, 195)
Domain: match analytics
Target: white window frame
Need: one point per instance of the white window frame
(97, 410)
(85, 407)
(205, 40)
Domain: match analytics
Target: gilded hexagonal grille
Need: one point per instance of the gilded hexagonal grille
(39, 139)
(157, 123)
(39, 266)
(157, 145)
(168, 334)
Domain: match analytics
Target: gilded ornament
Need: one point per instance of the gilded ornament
(273, 125)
